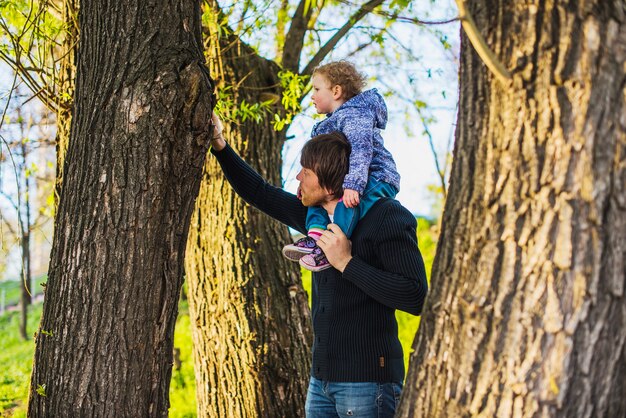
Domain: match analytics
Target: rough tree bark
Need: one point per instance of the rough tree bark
(251, 320)
(527, 315)
(138, 143)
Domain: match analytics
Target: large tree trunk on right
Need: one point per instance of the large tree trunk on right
(527, 314)
(250, 317)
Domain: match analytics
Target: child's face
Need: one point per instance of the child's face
(326, 97)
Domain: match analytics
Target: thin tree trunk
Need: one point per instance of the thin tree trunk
(66, 80)
(252, 323)
(26, 281)
(24, 226)
(527, 315)
(138, 142)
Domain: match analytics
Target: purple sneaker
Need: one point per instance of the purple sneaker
(300, 248)
(316, 261)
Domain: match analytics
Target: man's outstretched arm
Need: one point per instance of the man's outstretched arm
(247, 183)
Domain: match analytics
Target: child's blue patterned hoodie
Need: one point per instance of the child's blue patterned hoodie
(361, 119)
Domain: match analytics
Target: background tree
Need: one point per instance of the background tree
(526, 315)
(24, 185)
(250, 317)
(139, 139)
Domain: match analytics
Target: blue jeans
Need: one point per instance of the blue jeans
(347, 218)
(357, 399)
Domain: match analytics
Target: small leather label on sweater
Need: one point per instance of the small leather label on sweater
(381, 361)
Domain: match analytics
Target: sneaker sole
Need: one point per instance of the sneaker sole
(314, 269)
(295, 254)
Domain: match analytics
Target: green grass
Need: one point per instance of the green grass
(183, 385)
(12, 289)
(16, 360)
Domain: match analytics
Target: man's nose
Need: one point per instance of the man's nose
(299, 175)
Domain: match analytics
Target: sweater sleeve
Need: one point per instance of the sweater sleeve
(247, 183)
(401, 281)
(358, 126)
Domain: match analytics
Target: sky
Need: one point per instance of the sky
(433, 79)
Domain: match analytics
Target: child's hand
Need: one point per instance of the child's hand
(350, 198)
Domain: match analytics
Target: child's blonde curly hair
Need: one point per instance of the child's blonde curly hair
(344, 74)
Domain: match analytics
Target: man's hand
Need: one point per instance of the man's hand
(336, 246)
(351, 198)
(217, 140)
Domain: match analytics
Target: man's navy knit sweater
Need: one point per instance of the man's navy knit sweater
(355, 329)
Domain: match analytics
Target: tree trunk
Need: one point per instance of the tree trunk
(138, 143)
(25, 228)
(251, 319)
(26, 280)
(527, 316)
(66, 80)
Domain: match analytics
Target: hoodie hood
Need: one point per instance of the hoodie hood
(372, 101)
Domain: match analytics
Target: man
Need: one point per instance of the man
(358, 365)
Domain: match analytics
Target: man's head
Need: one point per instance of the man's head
(325, 161)
(334, 84)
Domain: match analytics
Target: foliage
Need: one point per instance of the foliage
(16, 358)
(12, 289)
(30, 35)
(294, 88)
(408, 324)
(183, 384)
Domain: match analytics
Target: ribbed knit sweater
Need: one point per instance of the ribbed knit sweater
(354, 323)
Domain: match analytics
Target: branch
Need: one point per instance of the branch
(294, 40)
(399, 18)
(12, 231)
(431, 142)
(367, 44)
(10, 200)
(480, 45)
(332, 42)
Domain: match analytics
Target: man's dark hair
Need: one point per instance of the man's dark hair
(328, 155)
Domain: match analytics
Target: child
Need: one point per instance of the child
(359, 116)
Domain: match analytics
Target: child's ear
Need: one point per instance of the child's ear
(337, 92)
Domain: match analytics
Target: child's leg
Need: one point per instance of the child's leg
(347, 218)
(316, 222)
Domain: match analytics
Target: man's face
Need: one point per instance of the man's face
(323, 95)
(310, 192)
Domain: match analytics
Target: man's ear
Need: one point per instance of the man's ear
(337, 92)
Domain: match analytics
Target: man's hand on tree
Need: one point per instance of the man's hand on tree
(217, 140)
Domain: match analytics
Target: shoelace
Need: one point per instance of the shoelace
(306, 242)
(318, 256)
